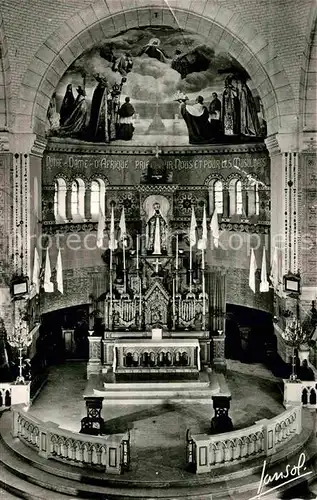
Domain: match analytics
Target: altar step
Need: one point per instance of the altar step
(118, 393)
(24, 474)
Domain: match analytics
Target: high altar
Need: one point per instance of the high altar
(157, 312)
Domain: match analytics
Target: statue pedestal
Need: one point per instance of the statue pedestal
(93, 423)
(221, 422)
(218, 353)
(94, 364)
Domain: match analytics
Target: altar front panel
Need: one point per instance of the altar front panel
(146, 355)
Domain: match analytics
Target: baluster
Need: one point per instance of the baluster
(212, 454)
(89, 453)
(103, 455)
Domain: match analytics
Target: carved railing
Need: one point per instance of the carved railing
(300, 394)
(265, 438)
(14, 394)
(110, 453)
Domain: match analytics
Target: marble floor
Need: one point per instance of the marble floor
(255, 393)
(158, 432)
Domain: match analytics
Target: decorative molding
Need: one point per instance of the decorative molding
(244, 226)
(272, 145)
(157, 188)
(73, 146)
(39, 147)
(4, 143)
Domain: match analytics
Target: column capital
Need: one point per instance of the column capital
(27, 143)
(282, 143)
(4, 142)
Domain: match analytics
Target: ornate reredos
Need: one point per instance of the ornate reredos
(162, 201)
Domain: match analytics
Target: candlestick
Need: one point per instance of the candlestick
(204, 287)
(110, 312)
(124, 269)
(140, 303)
(190, 268)
(174, 305)
(137, 250)
(176, 263)
(123, 250)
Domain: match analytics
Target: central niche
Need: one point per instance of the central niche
(156, 86)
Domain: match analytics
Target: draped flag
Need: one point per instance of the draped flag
(59, 272)
(202, 243)
(123, 229)
(264, 284)
(100, 228)
(48, 285)
(252, 271)
(215, 228)
(192, 232)
(36, 275)
(113, 243)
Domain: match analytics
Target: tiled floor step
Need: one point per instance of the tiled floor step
(26, 475)
(135, 386)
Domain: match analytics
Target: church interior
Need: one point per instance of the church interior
(158, 249)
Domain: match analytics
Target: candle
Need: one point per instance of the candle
(123, 249)
(176, 263)
(203, 286)
(137, 251)
(190, 268)
(140, 303)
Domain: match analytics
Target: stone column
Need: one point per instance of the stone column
(226, 208)
(88, 201)
(21, 213)
(69, 202)
(245, 207)
(94, 364)
(307, 223)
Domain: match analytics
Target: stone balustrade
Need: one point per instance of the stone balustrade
(300, 394)
(110, 453)
(14, 394)
(264, 438)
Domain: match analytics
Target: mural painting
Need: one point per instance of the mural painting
(156, 86)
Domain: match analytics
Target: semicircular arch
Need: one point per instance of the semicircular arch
(220, 26)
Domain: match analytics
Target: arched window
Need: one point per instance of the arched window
(218, 197)
(235, 197)
(97, 197)
(78, 199)
(215, 196)
(253, 199)
(60, 200)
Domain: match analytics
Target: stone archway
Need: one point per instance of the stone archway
(219, 25)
